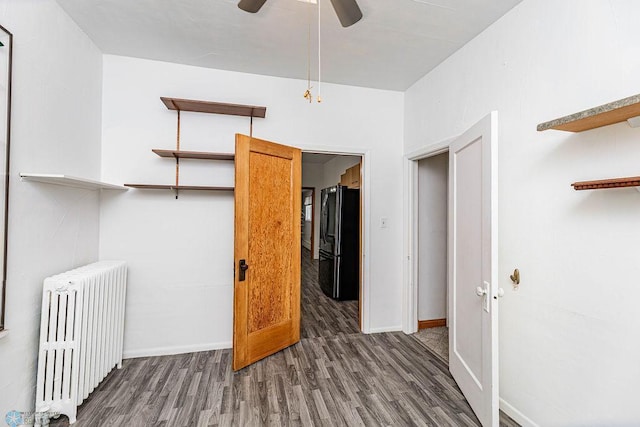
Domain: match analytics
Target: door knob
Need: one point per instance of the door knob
(480, 292)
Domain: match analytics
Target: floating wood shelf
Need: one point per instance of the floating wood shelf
(607, 114)
(177, 187)
(633, 181)
(70, 181)
(193, 154)
(214, 107)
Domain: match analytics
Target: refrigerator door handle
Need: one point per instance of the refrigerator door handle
(336, 277)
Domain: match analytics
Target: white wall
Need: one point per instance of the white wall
(568, 337)
(55, 128)
(181, 251)
(433, 187)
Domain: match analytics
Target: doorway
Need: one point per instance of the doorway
(433, 199)
(331, 261)
(472, 259)
(268, 205)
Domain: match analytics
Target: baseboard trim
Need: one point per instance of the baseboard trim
(516, 415)
(385, 329)
(434, 323)
(166, 351)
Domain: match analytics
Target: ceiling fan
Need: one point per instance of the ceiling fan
(348, 11)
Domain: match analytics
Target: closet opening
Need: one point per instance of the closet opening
(432, 245)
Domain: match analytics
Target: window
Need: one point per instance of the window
(307, 208)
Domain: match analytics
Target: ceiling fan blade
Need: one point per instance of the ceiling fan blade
(251, 6)
(348, 11)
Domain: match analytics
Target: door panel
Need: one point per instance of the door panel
(468, 222)
(268, 223)
(473, 329)
(267, 236)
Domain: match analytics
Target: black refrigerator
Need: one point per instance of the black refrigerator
(339, 269)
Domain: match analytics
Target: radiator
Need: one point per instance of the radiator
(81, 334)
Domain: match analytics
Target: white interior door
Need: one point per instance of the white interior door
(473, 308)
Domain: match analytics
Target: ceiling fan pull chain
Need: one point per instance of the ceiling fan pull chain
(319, 59)
(307, 93)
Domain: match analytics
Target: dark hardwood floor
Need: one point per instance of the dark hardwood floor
(333, 376)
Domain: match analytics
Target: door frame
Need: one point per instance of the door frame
(365, 197)
(410, 282)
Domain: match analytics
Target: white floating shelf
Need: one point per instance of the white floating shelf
(70, 181)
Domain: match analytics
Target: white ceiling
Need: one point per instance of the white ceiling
(395, 43)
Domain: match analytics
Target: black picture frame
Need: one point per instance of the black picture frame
(6, 74)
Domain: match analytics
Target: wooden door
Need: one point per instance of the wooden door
(267, 249)
(473, 287)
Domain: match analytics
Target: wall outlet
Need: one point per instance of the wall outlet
(384, 222)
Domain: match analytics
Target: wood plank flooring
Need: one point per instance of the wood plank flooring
(322, 316)
(332, 377)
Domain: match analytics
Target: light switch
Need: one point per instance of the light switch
(384, 221)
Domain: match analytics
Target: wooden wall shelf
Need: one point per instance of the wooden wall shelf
(214, 107)
(179, 105)
(177, 187)
(70, 181)
(607, 114)
(193, 154)
(633, 181)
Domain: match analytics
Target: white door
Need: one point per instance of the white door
(473, 295)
